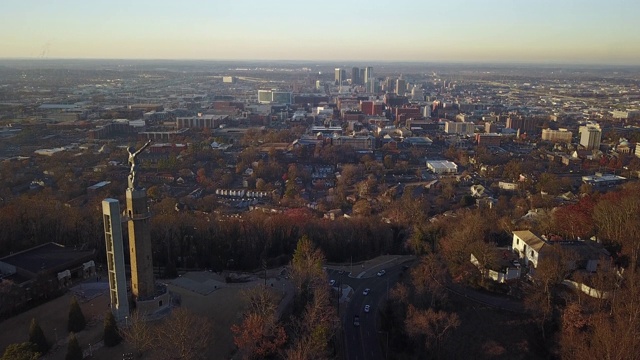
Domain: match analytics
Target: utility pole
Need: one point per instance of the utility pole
(264, 266)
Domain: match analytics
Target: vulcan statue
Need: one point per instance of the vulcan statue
(134, 165)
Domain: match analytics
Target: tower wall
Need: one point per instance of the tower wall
(115, 258)
(142, 282)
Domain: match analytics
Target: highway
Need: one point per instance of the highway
(363, 342)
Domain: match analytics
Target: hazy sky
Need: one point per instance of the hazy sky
(567, 31)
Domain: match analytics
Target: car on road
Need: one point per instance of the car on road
(366, 291)
(356, 320)
(367, 308)
(381, 272)
(332, 282)
(341, 272)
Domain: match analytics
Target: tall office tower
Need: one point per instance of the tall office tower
(417, 94)
(372, 86)
(401, 86)
(355, 76)
(590, 137)
(389, 85)
(115, 259)
(361, 76)
(368, 74)
(340, 75)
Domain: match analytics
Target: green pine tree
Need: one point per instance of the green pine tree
(77, 321)
(23, 351)
(74, 351)
(36, 336)
(111, 333)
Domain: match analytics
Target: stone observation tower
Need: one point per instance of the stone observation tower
(147, 297)
(138, 216)
(115, 259)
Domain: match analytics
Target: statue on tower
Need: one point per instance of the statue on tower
(134, 165)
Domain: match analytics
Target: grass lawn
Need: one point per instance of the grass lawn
(223, 307)
(52, 317)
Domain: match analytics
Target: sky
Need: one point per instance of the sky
(485, 31)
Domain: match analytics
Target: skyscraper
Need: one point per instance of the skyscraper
(355, 76)
(340, 76)
(590, 137)
(401, 86)
(368, 74)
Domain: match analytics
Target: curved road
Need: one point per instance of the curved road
(363, 342)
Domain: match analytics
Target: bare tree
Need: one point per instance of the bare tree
(183, 335)
(430, 326)
(430, 276)
(138, 333)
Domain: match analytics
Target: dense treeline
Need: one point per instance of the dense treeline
(36, 219)
(185, 239)
(256, 239)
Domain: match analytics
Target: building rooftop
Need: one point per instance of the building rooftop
(47, 257)
(530, 239)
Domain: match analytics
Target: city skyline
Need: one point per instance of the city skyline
(540, 31)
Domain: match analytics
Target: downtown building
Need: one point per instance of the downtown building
(524, 125)
(557, 136)
(590, 137)
(459, 128)
(200, 121)
(275, 97)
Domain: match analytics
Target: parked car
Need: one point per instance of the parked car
(332, 282)
(366, 291)
(367, 308)
(356, 320)
(381, 272)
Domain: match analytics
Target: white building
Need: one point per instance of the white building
(590, 138)
(590, 135)
(200, 121)
(442, 166)
(528, 246)
(460, 128)
(561, 135)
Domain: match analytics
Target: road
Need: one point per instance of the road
(363, 342)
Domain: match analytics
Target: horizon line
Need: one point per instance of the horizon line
(349, 61)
